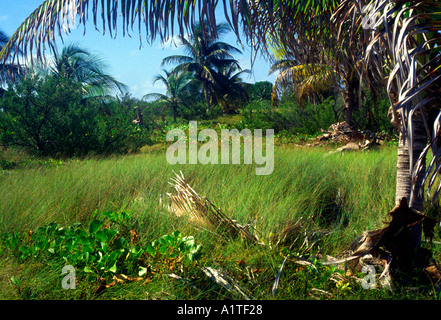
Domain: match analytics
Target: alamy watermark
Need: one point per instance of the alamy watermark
(68, 281)
(183, 153)
(368, 282)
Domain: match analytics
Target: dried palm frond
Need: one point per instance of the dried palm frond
(202, 211)
(222, 279)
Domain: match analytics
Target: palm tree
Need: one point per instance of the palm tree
(307, 81)
(313, 59)
(206, 57)
(230, 90)
(79, 65)
(9, 70)
(408, 36)
(176, 85)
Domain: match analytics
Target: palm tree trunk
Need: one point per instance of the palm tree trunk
(404, 181)
(350, 99)
(207, 97)
(174, 110)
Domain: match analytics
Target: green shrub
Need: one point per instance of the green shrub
(104, 247)
(288, 116)
(49, 117)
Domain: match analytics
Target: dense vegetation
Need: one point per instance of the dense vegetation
(76, 211)
(84, 181)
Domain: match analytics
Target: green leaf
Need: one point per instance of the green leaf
(150, 250)
(94, 226)
(106, 235)
(120, 243)
(88, 269)
(113, 268)
(142, 271)
(101, 235)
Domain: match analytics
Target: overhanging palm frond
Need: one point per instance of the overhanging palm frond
(407, 36)
(10, 70)
(54, 18)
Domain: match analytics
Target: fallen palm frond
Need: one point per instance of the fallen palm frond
(222, 279)
(386, 247)
(202, 211)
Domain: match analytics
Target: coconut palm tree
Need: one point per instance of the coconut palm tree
(176, 85)
(407, 35)
(307, 81)
(206, 57)
(79, 65)
(314, 60)
(230, 90)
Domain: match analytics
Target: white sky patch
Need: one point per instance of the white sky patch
(4, 19)
(135, 53)
(172, 43)
(145, 87)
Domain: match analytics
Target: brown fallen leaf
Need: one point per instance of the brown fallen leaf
(122, 278)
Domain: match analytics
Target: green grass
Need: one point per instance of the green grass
(343, 194)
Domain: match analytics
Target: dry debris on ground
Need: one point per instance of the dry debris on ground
(352, 139)
(386, 248)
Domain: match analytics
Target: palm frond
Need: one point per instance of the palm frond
(54, 18)
(176, 59)
(79, 65)
(406, 36)
(305, 80)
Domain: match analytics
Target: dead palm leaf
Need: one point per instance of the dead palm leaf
(200, 210)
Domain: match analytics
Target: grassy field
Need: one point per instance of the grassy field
(337, 196)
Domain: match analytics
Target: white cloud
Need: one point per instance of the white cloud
(145, 87)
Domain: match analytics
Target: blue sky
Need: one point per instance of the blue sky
(125, 60)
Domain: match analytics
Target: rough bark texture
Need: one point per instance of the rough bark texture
(391, 244)
(404, 180)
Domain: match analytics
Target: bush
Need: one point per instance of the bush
(260, 91)
(308, 119)
(102, 247)
(49, 117)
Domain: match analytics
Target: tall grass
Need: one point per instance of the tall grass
(350, 191)
(342, 193)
